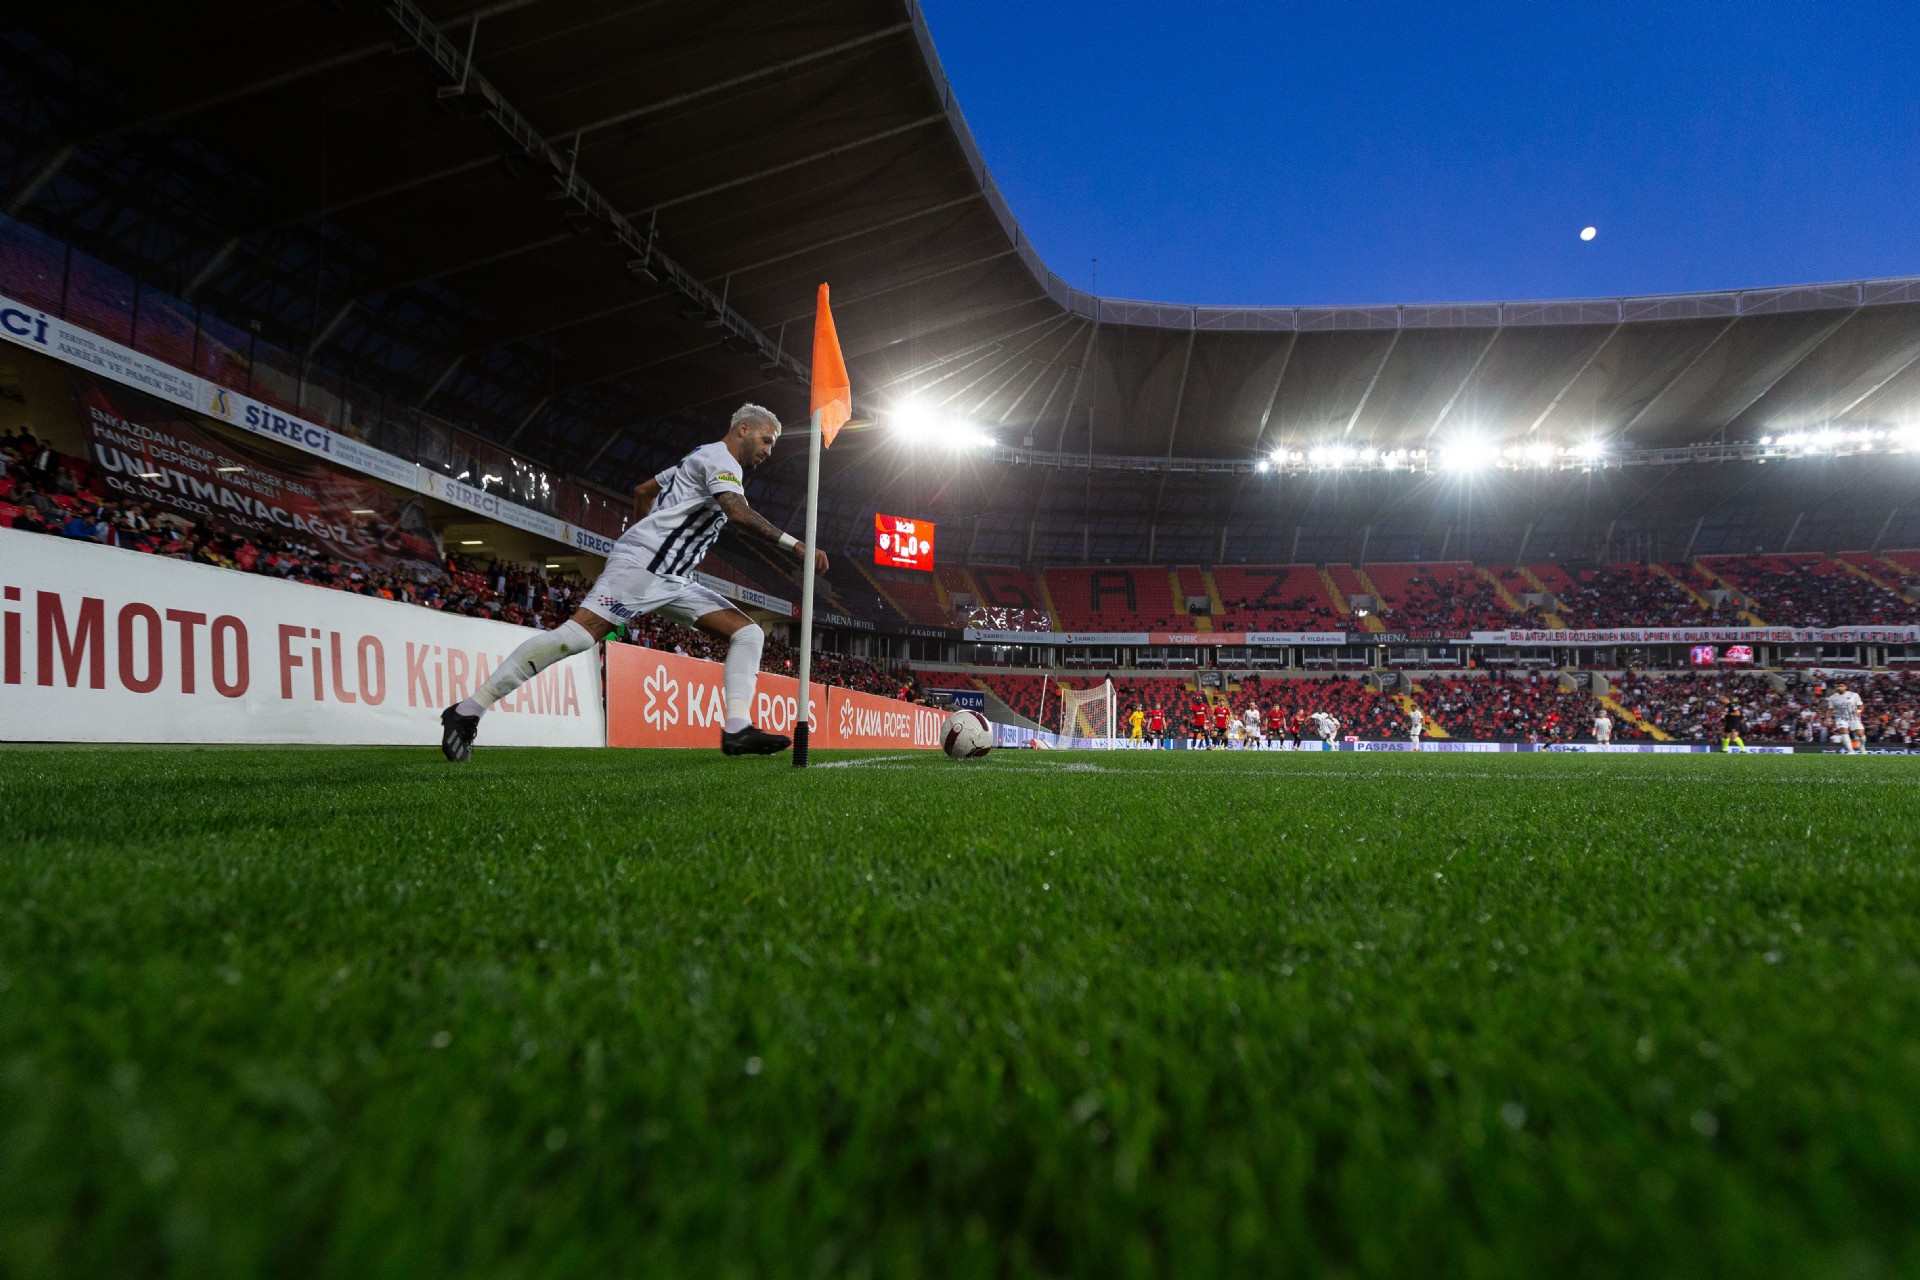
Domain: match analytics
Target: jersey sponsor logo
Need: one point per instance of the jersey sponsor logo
(661, 690)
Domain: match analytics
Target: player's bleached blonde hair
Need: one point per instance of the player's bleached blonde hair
(749, 412)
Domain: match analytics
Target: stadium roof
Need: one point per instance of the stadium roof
(589, 228)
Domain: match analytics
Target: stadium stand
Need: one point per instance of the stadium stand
(1276, 598)
(1813, 591)
(1116, 599)
(1007, 599)
(1628, 595)
(1452, 597)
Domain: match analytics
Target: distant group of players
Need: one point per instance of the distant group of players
(1217, 726)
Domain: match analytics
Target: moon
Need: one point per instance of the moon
(1588, 233)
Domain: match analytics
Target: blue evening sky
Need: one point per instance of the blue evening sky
(1354, 151)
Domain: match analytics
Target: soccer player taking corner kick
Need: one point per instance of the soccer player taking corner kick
(677, 516)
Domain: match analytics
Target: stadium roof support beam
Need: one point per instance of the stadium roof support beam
(1440, 419)
(1180, 395)
(787, 166)
(1674, 381)
(453, 366)
(1879, 386)
(742, 80)
(1372, 382)
(1818, 342)
(961, 354)
(584, 199)
(1577, 375)
(1011, 357)
(1273, 396)
(526, 420)
(318, 66)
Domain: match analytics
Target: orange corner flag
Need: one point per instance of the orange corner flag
(832, 392)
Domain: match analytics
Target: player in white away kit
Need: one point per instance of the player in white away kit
(1603, 729)
(677, 516)
(1844, 705)
(1327, 727)
(1416, 721)
(1252, 731)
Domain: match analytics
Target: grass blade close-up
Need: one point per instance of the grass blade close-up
(352, 1013)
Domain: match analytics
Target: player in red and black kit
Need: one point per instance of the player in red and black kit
(1201, 723)
(1299, 728)
(1157, 728)
(1276, 727)
(1221, 715)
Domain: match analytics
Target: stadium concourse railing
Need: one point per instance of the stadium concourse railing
(39, 273)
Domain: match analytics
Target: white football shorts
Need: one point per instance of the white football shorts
(625, 589)
(1852, 726)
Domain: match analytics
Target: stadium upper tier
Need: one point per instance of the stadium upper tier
(588, 233)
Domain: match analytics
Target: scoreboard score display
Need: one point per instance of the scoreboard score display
(900, 543)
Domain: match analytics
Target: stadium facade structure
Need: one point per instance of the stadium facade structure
(584, 235)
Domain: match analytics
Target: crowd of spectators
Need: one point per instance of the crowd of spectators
(1452, 601)
(1533, 707)
(1815, 592)
(1632, 595)
(1693, 705)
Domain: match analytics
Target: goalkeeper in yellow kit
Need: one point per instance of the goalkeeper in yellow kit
(1136, 721)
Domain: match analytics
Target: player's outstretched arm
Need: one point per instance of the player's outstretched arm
(747, 520)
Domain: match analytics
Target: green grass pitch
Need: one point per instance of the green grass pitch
(359, 1013)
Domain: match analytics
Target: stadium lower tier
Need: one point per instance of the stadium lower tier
(1545, 708)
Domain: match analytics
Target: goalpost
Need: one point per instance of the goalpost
(1088, 713)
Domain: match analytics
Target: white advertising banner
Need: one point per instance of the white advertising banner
(39, 331)
(99, 644)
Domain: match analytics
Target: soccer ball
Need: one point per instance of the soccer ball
(966, 735)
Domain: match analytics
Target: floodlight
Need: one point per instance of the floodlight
(1263, 465)
(1589, 450)
(1468, 453)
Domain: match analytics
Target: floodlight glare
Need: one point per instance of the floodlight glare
(1589, 450)
(1466, 454)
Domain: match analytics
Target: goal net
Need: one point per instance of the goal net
(1087, 713)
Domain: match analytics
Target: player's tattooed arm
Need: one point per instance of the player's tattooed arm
(747, 520)
(644, 494)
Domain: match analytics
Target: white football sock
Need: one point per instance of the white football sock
(535, 654)
(741, 669)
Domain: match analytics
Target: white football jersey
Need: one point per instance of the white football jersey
(1845, 705)
(1602, 726)
(1253, 720)
(676, 535)
(1417, 717)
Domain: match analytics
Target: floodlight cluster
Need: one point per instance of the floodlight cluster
(1458, 455)
(1836, 442)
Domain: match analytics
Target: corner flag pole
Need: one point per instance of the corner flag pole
(832, 405)
(806, 595)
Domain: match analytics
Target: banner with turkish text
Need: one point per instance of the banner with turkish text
(101, 644)
(149, 451)
(661, 699)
